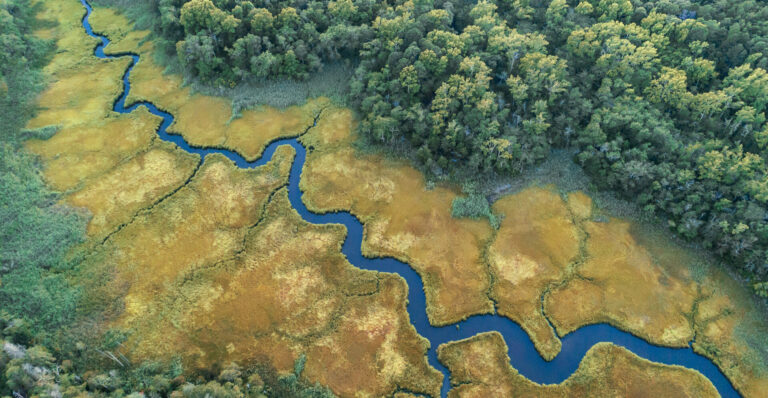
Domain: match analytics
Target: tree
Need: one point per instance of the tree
(670, 89)
(199, 53)
(262, 22)
(197, 15)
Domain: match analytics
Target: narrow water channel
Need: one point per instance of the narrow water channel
(522, 353)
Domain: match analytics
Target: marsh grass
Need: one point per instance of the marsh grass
(41, 133)
(752, 331)
(671, 253)
(143, 13)
(700, 270)
(474, 206)
(332, 82)
(482, 363)
(559, 170)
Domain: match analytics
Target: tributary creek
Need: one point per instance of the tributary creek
(522, 352)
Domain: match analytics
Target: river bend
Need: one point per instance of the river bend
(522, 353)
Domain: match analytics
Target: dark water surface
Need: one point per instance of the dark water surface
(522, 353)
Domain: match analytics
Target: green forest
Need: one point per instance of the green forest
(663, 102)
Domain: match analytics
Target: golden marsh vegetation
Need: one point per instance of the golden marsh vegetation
(196, 271)
(480, 368)
(108, 163)
(211, 263)
(555, 258)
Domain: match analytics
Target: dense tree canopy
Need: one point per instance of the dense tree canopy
(663, 101)
(226, 41)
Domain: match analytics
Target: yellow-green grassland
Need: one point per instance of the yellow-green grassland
(209, 262)
(480, 368)
(556, 258)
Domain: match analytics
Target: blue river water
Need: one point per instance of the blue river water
(522, 352)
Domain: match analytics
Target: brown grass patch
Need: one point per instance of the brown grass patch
(76, 154)
(732, 332)
(83, 87)
(335, 128)
(374, 345)
(622, 283)
(204, 121)
(150, 83)
(534, 245)
(201, 224)
(72, 42)
(123, 38)
(116, 196)
(580, 205)
(404, 220)
(287, 291)
(80, 95)
(480, 368)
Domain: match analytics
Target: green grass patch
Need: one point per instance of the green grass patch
(475, 206)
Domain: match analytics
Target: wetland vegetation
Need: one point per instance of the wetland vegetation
(152, 271)
(480, 368)
(662, 101)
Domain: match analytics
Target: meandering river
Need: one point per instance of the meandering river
(522, 352)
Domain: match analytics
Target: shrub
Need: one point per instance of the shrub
(474, 206)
